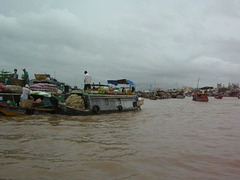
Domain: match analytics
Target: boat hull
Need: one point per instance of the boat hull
(200, 97)
(218, 97)
(8, 110)
(101, 103)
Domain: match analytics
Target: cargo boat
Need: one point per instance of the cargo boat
(101, 103)
(97, 103)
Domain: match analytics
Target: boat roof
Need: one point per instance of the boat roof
(207, 87)
(121, 81)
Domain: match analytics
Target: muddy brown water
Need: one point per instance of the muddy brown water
(168, 139)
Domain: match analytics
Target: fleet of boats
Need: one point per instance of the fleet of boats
(45, 99)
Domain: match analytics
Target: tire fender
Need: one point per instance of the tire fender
(96, 109)
(120, 108)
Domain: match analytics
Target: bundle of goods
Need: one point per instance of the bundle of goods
(14, 88)
(75, 101)
(44, 87)
(102, 90)
(3, 88)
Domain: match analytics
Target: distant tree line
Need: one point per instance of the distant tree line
(4, 75)
(222, 88)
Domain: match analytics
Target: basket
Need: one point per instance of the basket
(40, 76)
(26, 103)
(17, 82)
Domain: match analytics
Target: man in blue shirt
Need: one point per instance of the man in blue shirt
(14, 75)
(25, 76)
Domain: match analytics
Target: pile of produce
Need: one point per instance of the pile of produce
(44, 87)
(3, 88)
(14, 88)
(100, 90)
(75, 101)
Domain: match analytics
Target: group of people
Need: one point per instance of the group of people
(26, 90)
(25, 76)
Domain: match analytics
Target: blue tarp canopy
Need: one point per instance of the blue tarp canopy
(121, 81)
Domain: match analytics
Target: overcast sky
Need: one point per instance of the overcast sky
(165, 43)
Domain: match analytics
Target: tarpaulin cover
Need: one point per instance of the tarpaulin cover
(121, 81)
(131, 83)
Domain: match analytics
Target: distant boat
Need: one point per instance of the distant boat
(180, 96)
(153, 98)
(198, 96)
(218, 96)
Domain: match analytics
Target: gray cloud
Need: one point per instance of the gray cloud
(166, 43)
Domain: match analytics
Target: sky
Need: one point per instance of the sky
(154, 43)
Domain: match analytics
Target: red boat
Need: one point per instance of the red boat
(218, 95)
(198, 96)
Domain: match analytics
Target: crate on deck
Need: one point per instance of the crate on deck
(17, 82)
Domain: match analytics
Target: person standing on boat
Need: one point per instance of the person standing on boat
(25, 92)
(87, 81)
(25, 76)
(14, 75)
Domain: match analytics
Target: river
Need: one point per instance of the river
(167, 139)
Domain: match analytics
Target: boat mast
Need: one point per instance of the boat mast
(75, 80)
(197, 82)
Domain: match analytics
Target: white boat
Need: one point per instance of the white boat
(104, 102)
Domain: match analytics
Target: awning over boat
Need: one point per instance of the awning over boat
(121, 81)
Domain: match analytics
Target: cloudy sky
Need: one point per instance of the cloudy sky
(163, 43)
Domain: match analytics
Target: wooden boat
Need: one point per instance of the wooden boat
(198, 96)
(9, 110)
(218, 96)
(10, 106)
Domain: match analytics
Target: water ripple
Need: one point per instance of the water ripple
(168, 139)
